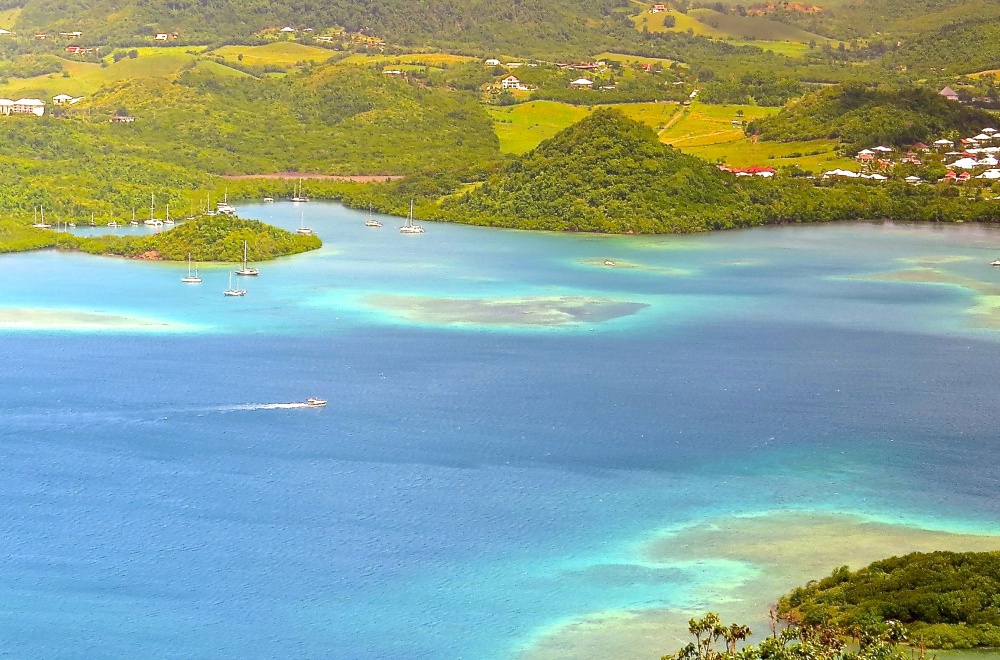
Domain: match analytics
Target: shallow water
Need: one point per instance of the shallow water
(512, 425)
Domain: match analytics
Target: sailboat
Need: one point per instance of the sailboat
(298, 196)
(224, 206)
(305, 231)
(192, 277)
(409, 227)
(371, 222)
(134, 223)
(245, 271)
(152, 222)
(231, 291)
(41, 224)
(167, 220)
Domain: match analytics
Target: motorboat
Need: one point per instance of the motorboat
(315, 403)
(995, 263)
(269, 200)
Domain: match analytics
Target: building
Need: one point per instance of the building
(582, 83)
(122, 119)
(512, 82)
(287, 30)
(392, 72)
(949, 94)
(62, 99)
(657, 9)
(71, 35)
(22, 107)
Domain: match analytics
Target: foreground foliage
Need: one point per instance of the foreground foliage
(944, 599)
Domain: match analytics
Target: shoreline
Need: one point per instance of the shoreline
(766, 554)
(293, 176)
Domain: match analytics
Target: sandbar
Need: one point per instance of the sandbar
(779, 550)
(530, 311)
(618, 264)
(27, 318)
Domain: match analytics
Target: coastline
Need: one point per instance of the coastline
(776, 551)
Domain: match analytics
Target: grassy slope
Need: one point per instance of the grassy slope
(282, 54)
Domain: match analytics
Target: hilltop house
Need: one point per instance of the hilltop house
(949, 94)
(492, 62)
(22, 107)
(122, 119)
(657, 9)
(582, 83)
(71, 35)
(61, 99)
(512, 82)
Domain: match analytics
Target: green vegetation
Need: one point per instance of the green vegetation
(217, 238)
(605, 173)
(944, 599)
(866, 116)
(796, 641)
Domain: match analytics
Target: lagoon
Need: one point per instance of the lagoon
(527, 452)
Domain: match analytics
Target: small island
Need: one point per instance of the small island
(206, 238)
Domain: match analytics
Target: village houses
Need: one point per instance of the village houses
(22, 107)
(512, 82)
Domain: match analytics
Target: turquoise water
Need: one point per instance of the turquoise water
(509, 420)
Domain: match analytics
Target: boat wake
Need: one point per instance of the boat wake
(271, 406)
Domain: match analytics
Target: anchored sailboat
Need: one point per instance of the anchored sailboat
(247, 271)
(298, 196)
(409, 227)
(371, 222)
(305, 231)
(231, 291)
(192, 277)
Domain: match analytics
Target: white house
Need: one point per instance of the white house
(511, 82)
(5, 32)
(582, 83)
(391, 72)
(492, 62)
(62, 99)
(162, 36)
(964, 164)
(287, 30)
(28, 107)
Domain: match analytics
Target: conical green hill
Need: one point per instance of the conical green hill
(605, 173)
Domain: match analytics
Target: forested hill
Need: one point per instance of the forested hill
(867, 116)
(605, 173)
(471, 24)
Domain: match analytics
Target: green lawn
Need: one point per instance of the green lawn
(281, 53)
(521, 127)
(426, 59)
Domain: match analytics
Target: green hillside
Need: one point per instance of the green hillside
(866, 116)
(605, 173)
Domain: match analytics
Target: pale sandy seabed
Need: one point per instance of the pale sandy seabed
(532, 311)
(16, 318)
(986, 310)
(618, 264)
(781, 550)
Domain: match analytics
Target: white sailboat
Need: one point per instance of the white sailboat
(152, 204)
(231, 291)
(371, 222)
(409, 227)
(134, 223)
(247, 271)
(298, 196)
(305, 231)
(224, 206)
(192, 277)
(41, 224)
(167, 220)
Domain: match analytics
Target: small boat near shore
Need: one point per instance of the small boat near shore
(41, 224)
(409, 227)
(305, 231)
(371, 222)
(268, 200)
(246, 271)
(192, 277)
(298, 195)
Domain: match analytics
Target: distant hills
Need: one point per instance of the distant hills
(865, 116)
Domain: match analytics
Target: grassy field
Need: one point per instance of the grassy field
(426, 59)
(707, 131)
(283, 53)
(682, 23)
(629, 59)
(86, 77)
(8, 17)
(521, 127)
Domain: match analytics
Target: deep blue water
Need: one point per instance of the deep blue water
(469, 484)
